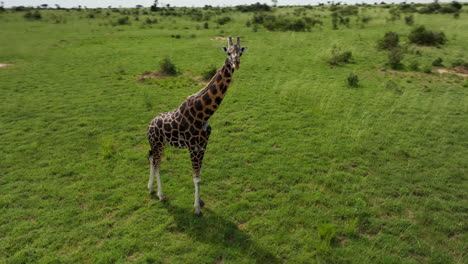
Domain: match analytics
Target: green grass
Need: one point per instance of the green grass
(300, 167)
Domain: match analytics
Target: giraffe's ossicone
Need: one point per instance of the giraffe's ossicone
(187, 126)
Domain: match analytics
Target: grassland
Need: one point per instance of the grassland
(300, 167)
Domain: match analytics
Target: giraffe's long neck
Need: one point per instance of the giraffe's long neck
(206, 101)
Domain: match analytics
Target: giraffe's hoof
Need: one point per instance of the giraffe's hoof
(199, 214)
(162, 199)
(202, 203)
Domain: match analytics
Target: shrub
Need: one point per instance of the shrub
(254, 7)
(33, 16)
(223, 20)
(390, 41)
(409, 20)
(459, 62)
(150, 21)
(422, 36)
(448, 10)
(167, 67)
(209, 73)
(456, 5)
(395, 56)
(353, 80)
(339, 56)
(437, 62)
(123, 21)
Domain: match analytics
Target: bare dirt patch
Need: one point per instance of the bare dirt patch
(458, 70)
(151, 74)
(219, 38)
(4, 65)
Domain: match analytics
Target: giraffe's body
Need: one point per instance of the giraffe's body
(187, 126)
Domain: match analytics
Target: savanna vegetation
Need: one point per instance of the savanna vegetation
(343, 138)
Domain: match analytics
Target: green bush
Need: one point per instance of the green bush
(223, 20)
(167, 67)
(209, 72)
(395, 56)
(390, 41)
(339, 56)
(353, 80)
(33, 16)
(422, 36)
(437, 62)
(409, 20)
(459, 62)
(123, 21)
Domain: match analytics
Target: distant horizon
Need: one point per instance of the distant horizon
(183, 3)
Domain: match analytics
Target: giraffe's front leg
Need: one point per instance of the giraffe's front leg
(196, 154)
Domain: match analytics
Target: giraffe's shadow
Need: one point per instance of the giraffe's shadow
(223, 233)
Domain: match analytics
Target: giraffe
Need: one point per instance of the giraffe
(187, 126)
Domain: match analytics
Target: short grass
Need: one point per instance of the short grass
(300, 167)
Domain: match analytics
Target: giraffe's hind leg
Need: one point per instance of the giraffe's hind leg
(155, 161)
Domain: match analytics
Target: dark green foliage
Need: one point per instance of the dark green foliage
(390, 41)
(167, 67)
(209, 72)
(123, 21)
(437, 62)
(409, 20)
(460, 62)
(448, 10)
(420, 35)
(353, 80)
(395, 56)
(257, 7)
(36, 15)
(456, 5)
(285, 23)
(206, 25)
(154, 7)
(149, 21)
(223, 20)
(407, 8)
(339, 56)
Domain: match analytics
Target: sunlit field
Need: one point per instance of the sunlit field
(332, 145)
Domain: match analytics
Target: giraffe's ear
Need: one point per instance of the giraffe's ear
(224, 49)
(243, 49)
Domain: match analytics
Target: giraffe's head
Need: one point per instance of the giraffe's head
(234, 51)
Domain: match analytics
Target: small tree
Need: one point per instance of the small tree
(409, 20)
(353, 80)
(395, 56)
(167, 67)
(422, 36)
(390, 41)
